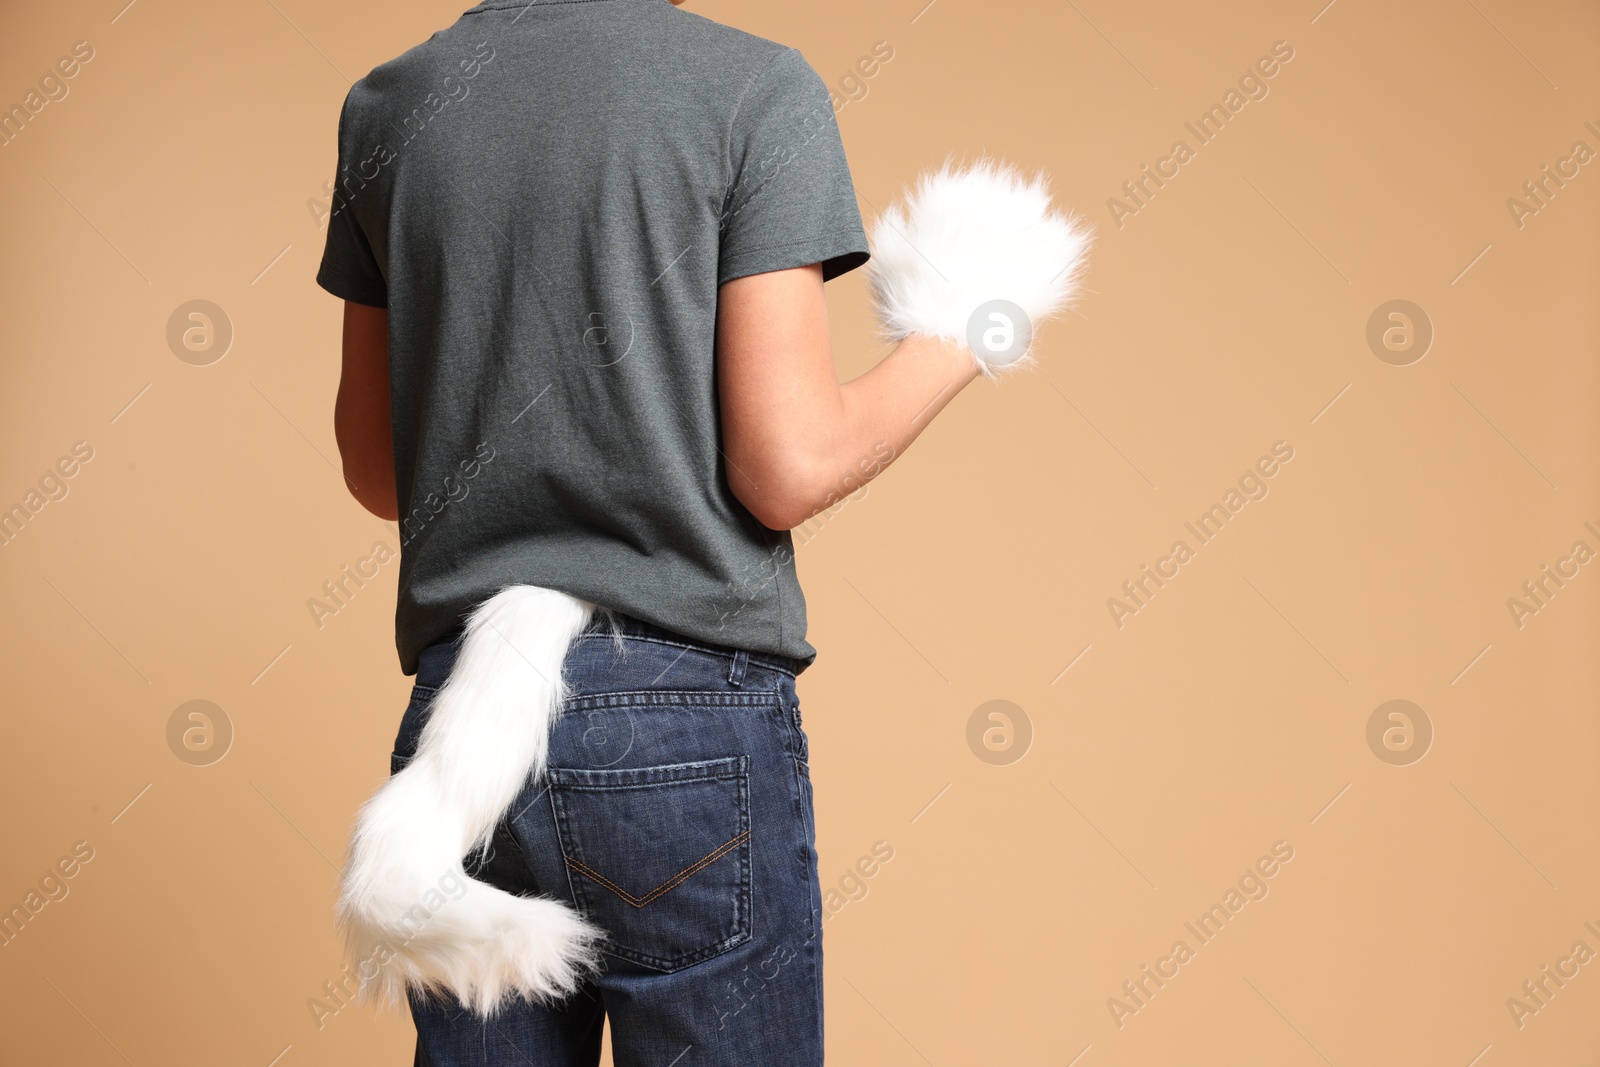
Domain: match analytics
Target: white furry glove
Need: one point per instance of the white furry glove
(978, 256)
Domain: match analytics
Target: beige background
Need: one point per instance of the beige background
(1229, 714)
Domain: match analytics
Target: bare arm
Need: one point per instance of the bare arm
(361, 412)
(796, 441)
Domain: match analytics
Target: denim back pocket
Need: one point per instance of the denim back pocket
(411, 724)
(659, 857)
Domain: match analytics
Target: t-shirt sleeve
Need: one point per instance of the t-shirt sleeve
(791, 202)
(349, 268)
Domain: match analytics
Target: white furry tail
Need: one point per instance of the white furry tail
(965, 239)
(411, 916)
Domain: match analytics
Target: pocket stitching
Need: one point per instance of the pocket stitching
(670, 698)
(665, 887)
(684, 773)
(608, 779)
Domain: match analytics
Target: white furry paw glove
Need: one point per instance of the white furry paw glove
(978, 256)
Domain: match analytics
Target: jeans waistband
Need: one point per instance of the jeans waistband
(609, 622)
(433, 665)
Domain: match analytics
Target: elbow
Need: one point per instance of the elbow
(373, 492)
(775, 510)
(779, 514)
(368, 473)
(383, 506)
(780, 499)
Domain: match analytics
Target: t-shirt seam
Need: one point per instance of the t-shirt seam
(733, 120)
(364, 284)
(347, 276)
(480, 8)
(790, 244)
(796, 572)
(804, 240)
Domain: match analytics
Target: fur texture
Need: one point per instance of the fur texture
(966, 236)
(411, 916)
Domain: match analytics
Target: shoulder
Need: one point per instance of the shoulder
(730, 41)
(420, 68)
(749, 58)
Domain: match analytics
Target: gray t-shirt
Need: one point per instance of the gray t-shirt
(546, 197)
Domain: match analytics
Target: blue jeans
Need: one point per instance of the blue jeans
(677, 816)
